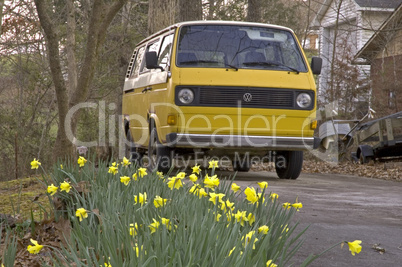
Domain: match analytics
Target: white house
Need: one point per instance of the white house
(344, 27)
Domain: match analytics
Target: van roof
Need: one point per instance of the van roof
(212, 22)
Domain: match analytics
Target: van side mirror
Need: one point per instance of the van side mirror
(316, 65)
(151, 60)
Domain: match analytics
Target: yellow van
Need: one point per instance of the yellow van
(235, 91)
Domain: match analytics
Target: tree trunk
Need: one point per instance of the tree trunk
(189, 10)
(254, 10)
(100, 18)
(1, 13)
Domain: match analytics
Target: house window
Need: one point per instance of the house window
(391, 99)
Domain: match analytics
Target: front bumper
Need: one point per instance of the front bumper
(241, 141)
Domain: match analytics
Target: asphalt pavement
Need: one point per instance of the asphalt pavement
(341, 208)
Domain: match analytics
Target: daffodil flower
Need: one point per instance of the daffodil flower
(160, 175)
(159, 202)
(142, 172)
(81, 161)
(241, 217)
(61, 166)
(248, 238)
(286, 205)
(263, 185)
(65, 186)
(193, 178)
(125, 162)
(35, 164)
(133, 229)
(231, 251)
(227, 205)
(181, 175)
(125, 180)
(274, 196)
(174, 182)
(271, 264)
(263, 229)
(355, 247)
(251, 218)
(167, 223)
(214, 197)
(211, 182)
(154, 226)
(137, 250)
(51, 189)
(235, 187)
(36, 248)
(141, 198)
(114, 168)
(297, 205)
(213, 164)
(251, 195)
(196, 169)
(81, 213)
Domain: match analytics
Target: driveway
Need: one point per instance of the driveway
(341, 208)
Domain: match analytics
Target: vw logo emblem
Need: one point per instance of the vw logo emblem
(247, 97)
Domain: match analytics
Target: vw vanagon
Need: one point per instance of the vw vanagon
(232, 90)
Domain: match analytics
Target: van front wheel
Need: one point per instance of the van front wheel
(160, 157)
(288, 164)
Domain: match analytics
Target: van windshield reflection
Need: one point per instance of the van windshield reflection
(238, 47)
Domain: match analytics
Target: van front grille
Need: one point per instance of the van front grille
(275, 98)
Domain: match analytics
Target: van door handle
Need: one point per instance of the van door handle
(146, 89)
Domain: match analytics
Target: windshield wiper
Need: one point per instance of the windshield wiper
(198, 61)
(263, 63)
(231, 66)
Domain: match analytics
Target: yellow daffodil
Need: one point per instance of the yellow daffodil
(355, 247)
(193, 178)
(286, 205)
(211, 182)
(137, 250)
(141, 198)
(248, 238)
(251, 218)
(227, 205)
(35, 164)
(297, 205)
(159, 202)
(154, 226)
(263, 185)
(274, 196)
(235, 187)
(251, 195)
(61, 166)
(133, 229)
(241, 217)
(196, 169)
(142, 172)
(218, 216)
(181, 175)
(167, 223)
(160, 175)
(36, 248)
(263, 229)
(51, 189)
(125, 179)
(271, 264)
(81, 161)
(125, 162)
(213, 164)
(81, 213)
(114, 168)
(174, 182)
(214, 197)
(65, 186)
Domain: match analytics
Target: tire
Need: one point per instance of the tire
(131, 151)
(159, 156)
(288, 164)
(241, 166)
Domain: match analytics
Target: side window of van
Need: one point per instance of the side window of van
(164, 54)
(138, 61)
(150, 47)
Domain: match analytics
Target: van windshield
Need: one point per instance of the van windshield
(238, 47)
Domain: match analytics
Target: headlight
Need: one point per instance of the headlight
(303, 100)
(186, 96)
